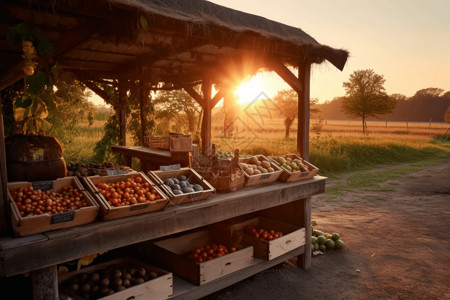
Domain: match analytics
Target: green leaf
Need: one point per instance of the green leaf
(143, 22)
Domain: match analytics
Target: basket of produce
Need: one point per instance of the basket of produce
(294, 167)
(183, 185)
(222, 170)
(125, 195)
(258, 169)
(123, 278)
(48, 205)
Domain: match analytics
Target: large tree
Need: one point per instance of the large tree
(366, 96)
(286, 101)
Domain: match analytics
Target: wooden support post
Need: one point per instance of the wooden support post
(206, 120)
(304, 74)
(304, 260)
(3, 180)
(45, 284)
(143, 95)
(122, 116)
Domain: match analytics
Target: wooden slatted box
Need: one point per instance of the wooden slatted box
(108, 212)
(158, 288)
(23, 226)
(172, 254)
(288, 176)
(159, 176)
(293, 237)
(258, 179)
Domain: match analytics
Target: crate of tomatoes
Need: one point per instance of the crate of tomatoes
(270, 238)
(125, 195)
(201, 256)
(48, 205)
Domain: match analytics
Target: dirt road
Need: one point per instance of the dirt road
(397, 246)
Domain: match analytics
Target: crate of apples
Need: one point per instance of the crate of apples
(125, 195)
(42, 206)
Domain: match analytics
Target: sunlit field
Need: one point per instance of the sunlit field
(335, 146)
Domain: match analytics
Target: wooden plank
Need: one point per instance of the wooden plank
(122, 116)
(45, 283)
(206, 120)
(187, 291)
(102, 236)
(4, 208)
(304, 74)
(193, 93)
(143, 96)
(285, 74)
(304, 260)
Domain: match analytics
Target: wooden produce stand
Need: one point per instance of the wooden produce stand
(160, 46)
(39, 254)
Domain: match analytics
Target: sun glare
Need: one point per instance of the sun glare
(249, 90)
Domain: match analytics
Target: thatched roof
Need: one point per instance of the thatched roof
(170, 40)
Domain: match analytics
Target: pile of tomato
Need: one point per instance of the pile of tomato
(32, 202)
(208, 252)
(128, 192)
(264, 234)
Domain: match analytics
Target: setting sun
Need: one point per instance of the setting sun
(249, 90)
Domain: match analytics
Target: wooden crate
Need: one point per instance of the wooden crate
(293, 237)
(194, 178)
(287, 176)
(158, 288)
(172, 254)
(108, 212)
(23, 226)
(251, 180)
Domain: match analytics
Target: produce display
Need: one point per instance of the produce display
(325, 241)
(264, 234)
(224, 155)
(128, 192)
(181, 185)
(32, 202)
(93, 169)
(255, 167)
(107, 281)
(289, 164)
(208, 252)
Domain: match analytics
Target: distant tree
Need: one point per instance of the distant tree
(366, 96)
(286, 100)
(429, 92)
(447, 115)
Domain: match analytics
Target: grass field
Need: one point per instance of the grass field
(335, 146)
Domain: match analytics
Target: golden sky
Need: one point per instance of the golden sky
(406, 41)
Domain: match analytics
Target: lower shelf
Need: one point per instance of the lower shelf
(185, 290)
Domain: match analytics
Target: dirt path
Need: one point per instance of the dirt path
(397, 246)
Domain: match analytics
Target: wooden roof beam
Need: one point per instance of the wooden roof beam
(282, 71)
